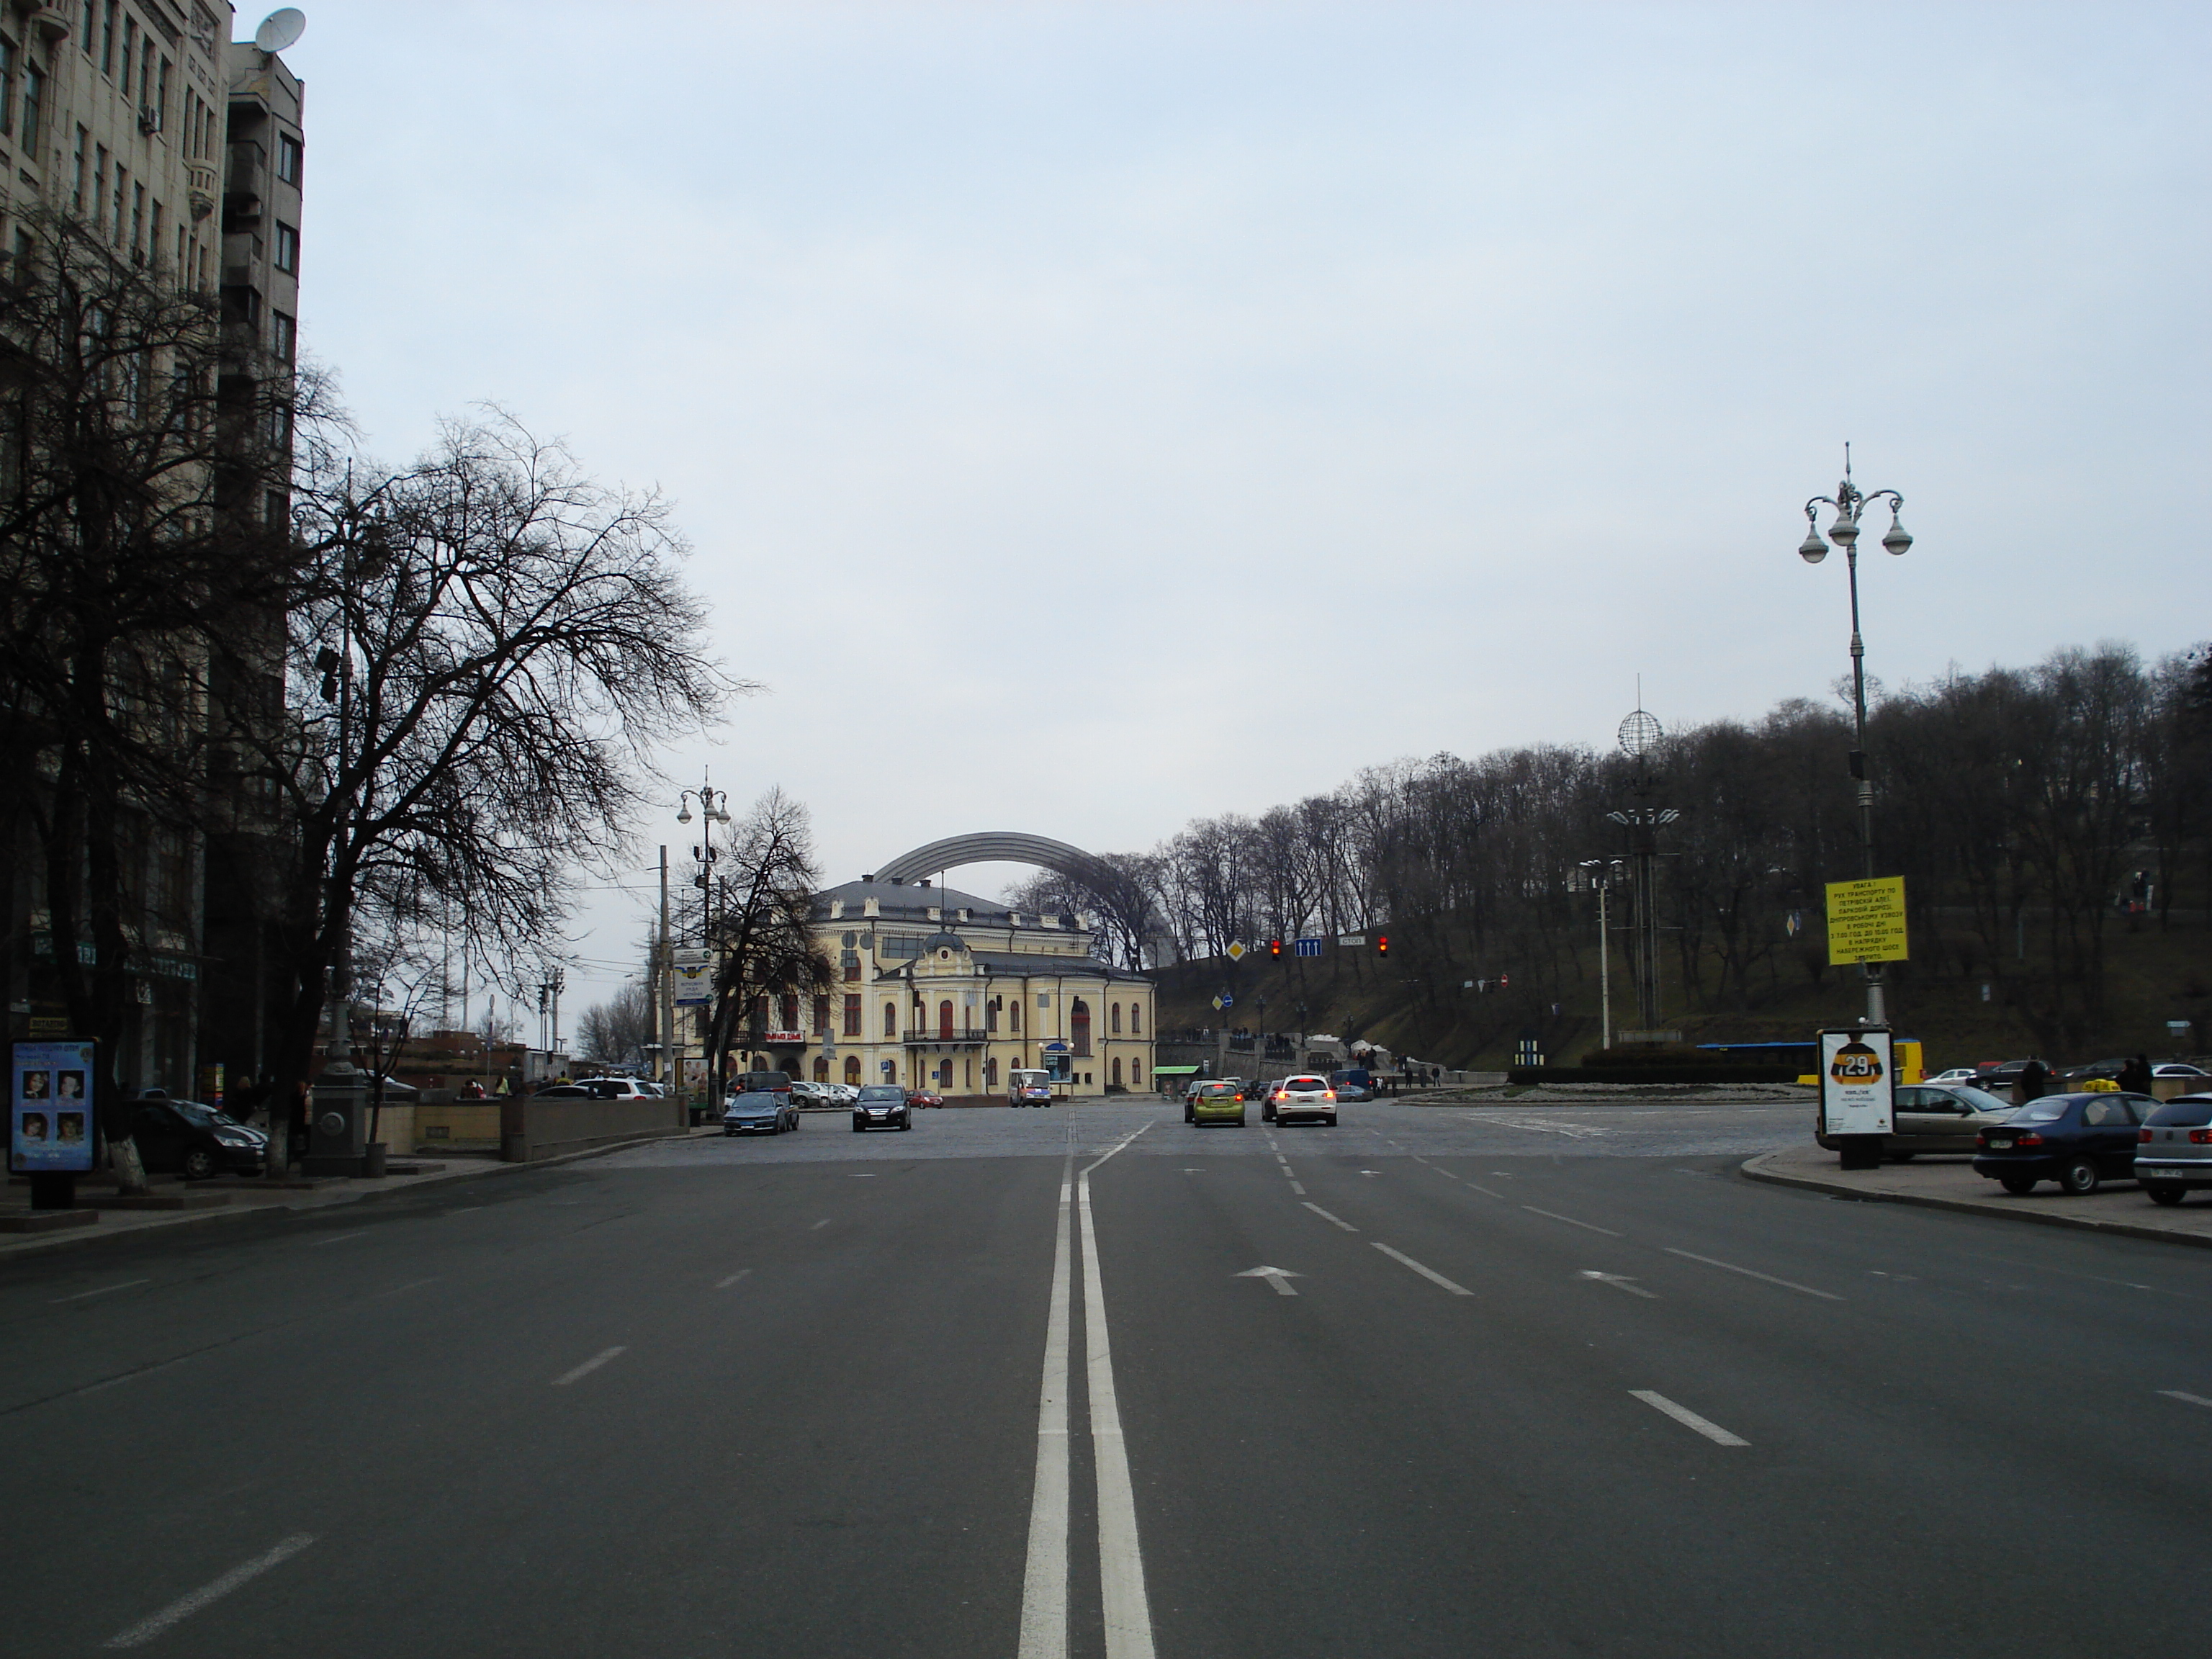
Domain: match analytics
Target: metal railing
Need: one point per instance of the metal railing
(953, 1033)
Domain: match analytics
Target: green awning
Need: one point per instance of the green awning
(1175, 1070)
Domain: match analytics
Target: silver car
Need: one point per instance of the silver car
(2173, 1148)
(1937, 1118)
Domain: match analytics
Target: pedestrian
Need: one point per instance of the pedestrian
(2134, 1076)
(2033, 1078)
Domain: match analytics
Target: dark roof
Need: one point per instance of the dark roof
(904, 899)
(1001, 961)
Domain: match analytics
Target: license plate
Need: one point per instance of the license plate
(1996, 1145)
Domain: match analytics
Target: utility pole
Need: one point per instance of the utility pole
(560, 983)
(664, 984)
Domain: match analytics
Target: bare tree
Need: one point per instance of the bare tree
(758, 923)
(485, 645)
(617, 1030)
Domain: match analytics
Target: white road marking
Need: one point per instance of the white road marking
(1278, 1277)
(1370, 1172)
(1429, 1274)
(411, 1285)
(1445, 1173)
(1569, 1220)
(1044, 1581)
(1332, 1221)
(1577, 1131)
(1299, 1187)
(1279, 1158)
(1286, 1171)
(2191, 1399)
(465, 1209)
(340, 1239)
(1688, 1418)
(863, 1174)
(1486, 1193)
(1619, 1284)
(588, 1367)
(725, 1284)
(1128, 1616)
(104, 1289)
(819, 1225)
(1691, 1255)
(146, 1629)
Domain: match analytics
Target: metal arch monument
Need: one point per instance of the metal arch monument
(993, 847)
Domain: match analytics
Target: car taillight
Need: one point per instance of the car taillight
(2031, 1138)
(1328, 1094)
(2201, 1137)
(2143, 1134)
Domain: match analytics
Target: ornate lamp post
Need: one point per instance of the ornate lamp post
(714, 809)
(1848, 504)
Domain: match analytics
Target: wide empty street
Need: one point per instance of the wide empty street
(1523, 1380)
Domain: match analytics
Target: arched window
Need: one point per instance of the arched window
(1117, 1066)
(1014, 1015)
(945, 1020)
(852, 1069)
(890, 1022)
(1079, 1026)
(1136, 1074)
(790, 1009)
(821, 1069)
(1117, 1026)
(1136, 1018)
(990, 1073)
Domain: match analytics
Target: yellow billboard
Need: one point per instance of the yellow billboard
(1866, 921)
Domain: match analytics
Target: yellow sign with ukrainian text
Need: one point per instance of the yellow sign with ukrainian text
(1866, 921)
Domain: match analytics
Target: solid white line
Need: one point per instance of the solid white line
(1129, 1616)
(1689, 1255)
(341, 1238)
(2191, 1398)
(1486, 1191)
(1429, 1274)
(1117, 1147)
(1688, 1418)
(146, 1629)
(819, 1225)
(1044, 1582)
(724, 1284)
(1333, 1220)
(1569, 1220)
(128, 1283)
(588, 1367)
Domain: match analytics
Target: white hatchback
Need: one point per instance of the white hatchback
(1304, 1095)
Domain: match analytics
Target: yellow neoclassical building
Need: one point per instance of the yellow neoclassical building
(941, 989)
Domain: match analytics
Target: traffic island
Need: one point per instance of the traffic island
(1950, 1183)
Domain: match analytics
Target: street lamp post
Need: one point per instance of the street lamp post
(714, 809)
(1848, 503)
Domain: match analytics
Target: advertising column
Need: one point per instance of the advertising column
(1858, 1092)
(50, 1128)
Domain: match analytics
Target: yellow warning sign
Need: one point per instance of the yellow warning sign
(1866, 921)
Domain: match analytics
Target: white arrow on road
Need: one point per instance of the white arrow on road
(1278, 1277)
(1620, 1284)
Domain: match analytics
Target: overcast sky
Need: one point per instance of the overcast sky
(1092, 416)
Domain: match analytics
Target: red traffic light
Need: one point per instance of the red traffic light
(1274, 947)
(1382, 944)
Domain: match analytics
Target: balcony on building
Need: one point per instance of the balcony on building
(968, 1037)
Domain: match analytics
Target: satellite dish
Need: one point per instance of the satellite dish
(281, 28)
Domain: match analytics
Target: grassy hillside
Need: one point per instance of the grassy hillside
(2152, 977)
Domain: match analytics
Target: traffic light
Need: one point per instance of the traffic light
(1382, 944)
(1274, 947)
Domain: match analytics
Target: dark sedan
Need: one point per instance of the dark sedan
(759, 1112)
(882, 1106)
(2079, 1141)
(195, 1140)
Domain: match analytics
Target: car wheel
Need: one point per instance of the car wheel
(2018, 1186)
(2165, 1195)
(856, 1128)
(1903, 1158)
(2080, 1178)
(199, 1164)
(1240, 1120)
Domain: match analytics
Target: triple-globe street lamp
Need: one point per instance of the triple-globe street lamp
(1848, 503)
(714, 809)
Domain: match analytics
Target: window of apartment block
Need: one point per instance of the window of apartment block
(146, 72)
(34, 97)
(117, 225)
(161, 99)
(890, 1022)
(130, 49)
(288, 249)
(106, 39)
(154, 234)
(274, 511)
(852, 1023)
(91, 22)
(99, 185)
(290, 158)
(138, 223)
(821, 1013)
(76, 174)
(283, 334)
(7, 86)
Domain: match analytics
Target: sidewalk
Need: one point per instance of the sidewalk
(1950, 1183)
(178, 1203)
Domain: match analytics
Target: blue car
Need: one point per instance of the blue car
(2077, 1140)
(759, 1112)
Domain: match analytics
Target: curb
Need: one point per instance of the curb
(1750, 1170)
(78, 1236)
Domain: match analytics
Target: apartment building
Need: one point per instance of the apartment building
(181, 155)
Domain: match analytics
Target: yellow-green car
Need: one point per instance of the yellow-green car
(1216, 1103)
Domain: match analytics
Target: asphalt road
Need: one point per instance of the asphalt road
(1534, 1381)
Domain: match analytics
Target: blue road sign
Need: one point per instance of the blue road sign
(1309, 947)
(1228, 999)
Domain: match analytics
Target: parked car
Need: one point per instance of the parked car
(1999, 1076)
(882, 1106)
(1221, 1101)
(2180, 1068)
(924, 1098)
(1028, 1088)
(617, 1088)
(1355, 1084)
(777, 1082)
(2173, 1148)
(1307, 1095)
(759, 1111)
(2078, 1140)
(804, 1093)
(1956, 1074)
(198, 1141)
(1936, 1118)
(843, 1094)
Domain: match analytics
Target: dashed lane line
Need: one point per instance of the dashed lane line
(725, 1284)
(2187, 1399)
(104, 1289)
(340, 1239)
(1688, 1418)
(1552, 1215)
(1429, 1274)
(1730, 1266)
(146, 1629)
(1334, 1221)
(588, 1367)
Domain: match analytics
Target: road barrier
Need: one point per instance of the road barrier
(531, 1129)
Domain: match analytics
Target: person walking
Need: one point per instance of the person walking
(2135, 1077)
(2034, 1077)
